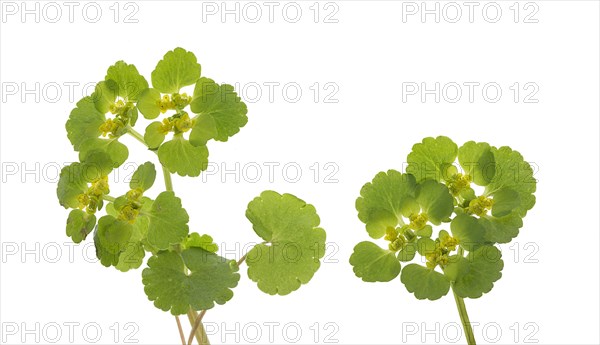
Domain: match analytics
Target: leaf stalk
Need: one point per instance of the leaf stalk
(197, 328)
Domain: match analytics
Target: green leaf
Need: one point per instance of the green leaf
(113, 234)
(424, 282)
(205, 128)
(457, 267)
(154, 135)
(408, 252)
(432, 159)
(116, 150)
(294, 242)
(183, 158)
(385, 200)
(129, 81)
(168, 221)
(485, 266)
(143, 177)
(120, 202)
(512, 172)
(84, 122)
(104, 95)
(79, 225)
(110, 209)
(468, 231)
(111, 239)
(373, 263)
(505, 201)
(502, 229)
(205, 242)
(425, 246)
(132, 257)
(477, 159)
(142, 222)
(133, 116)
(435, 200)
(468, 194)
(74, 178)
(71, 184)
(148, 103)
(177, 69)
(222, 104)
(96, 164)
(425, 232)
(210, 280)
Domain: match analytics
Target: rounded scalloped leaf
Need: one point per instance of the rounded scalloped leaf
(485, 268)
(133, 115)
(205, 128)
(154, 135)
(105, 94)
(222, 104)
(129, 81)
(408, 252)
(425, 246)
(512, 172)
(294, 242)
(384, 200)
(433, 159)
(477, 160)
(177, 69)
(425, 283)
(74, 177)
(132, 257)
(205, 242)
(113, 234)
(435, 200)
(84, 122)
(210, 280)
(96, 164)
(183, 158)
(505, 201)
(426, 231)
(148, 103)
(468, 231)
(117, 151)
(502, 229)
(168, 221)
(457, 267)
(71, 184)
(111, 239)
(79, 225)
(374, 264)
(143, 177)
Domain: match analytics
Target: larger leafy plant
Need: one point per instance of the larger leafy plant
(184, 273)
(451, 213)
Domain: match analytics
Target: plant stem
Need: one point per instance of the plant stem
(198, 328)
(464, 318)
(136, 135)
(168, 181)
(108, 198)
(192, 315)
(243, 258)
(462, 312)
(180, 330)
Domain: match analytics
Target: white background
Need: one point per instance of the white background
(549, 290)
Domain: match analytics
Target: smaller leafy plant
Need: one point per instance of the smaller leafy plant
(450, 213)
(184, 273)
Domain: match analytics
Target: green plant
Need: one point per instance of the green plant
(184, 274)
(403, 208)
